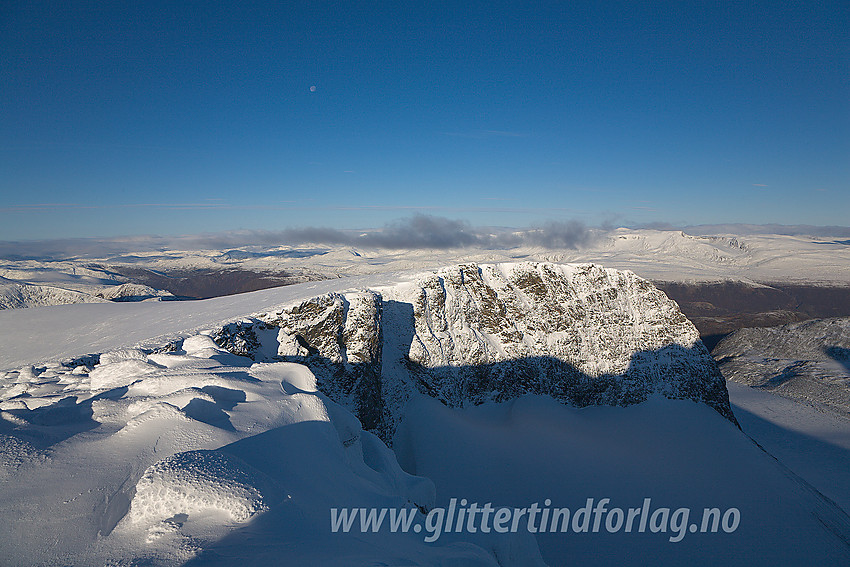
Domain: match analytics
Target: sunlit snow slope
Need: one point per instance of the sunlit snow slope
(130, 436)
(151, 458)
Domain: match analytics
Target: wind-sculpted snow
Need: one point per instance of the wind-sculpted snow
(808, 361)
(151, 457)
(471, 334)
(197, 482)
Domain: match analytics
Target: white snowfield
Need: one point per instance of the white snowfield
(813, 443)
(184, 449)
(664, 255)
(677, 453)
(192, 455)
(42, 334)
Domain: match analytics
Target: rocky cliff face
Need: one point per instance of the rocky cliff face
(471, 333)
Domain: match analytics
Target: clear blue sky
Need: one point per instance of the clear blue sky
(174, 118)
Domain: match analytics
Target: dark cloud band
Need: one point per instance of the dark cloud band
(417, 232)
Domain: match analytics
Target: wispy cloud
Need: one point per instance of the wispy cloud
(432, 232)
(419, 231)
(177, 205)
(43, 206)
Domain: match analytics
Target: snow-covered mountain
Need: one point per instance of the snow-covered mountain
(807, 361)
(132, 292)
(660, 255)
(471, 334)
(128, 437)
(14, 295)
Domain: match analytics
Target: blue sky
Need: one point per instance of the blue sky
(176, 118)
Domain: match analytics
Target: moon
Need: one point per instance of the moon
(313, 89)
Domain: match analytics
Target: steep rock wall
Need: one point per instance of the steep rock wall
(471, 333)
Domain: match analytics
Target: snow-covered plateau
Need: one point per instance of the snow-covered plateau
(224, 431)
(204, 271)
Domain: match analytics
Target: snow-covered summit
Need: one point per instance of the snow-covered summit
(132, 292)
(469, 334)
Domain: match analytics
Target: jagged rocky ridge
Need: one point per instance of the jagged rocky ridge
(471, 333)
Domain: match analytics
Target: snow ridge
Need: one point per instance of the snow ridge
(15, 295)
